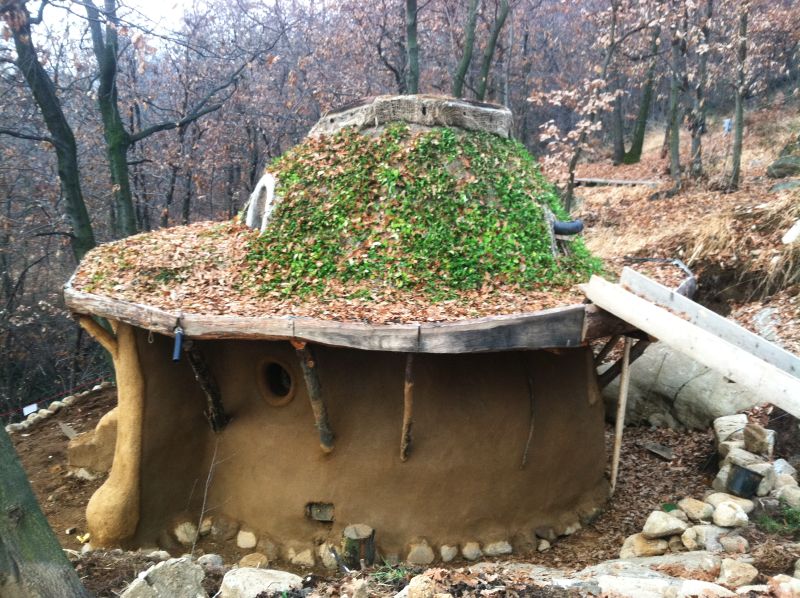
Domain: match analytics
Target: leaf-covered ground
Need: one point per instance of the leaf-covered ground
(398, 226)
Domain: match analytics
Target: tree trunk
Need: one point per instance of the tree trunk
(469, 44)
(618, 131)
(634, 154)
(738, 131)
(17, 18)
(32, 563)
(488, 53)
(412, 75)
(674, 121)
(698, 124)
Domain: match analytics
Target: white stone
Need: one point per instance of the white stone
(689, 539)
(175, 577)
(303, 558)
(69, 400)
(783, 586)
(84, 474)
(448, 552)
(639, 545)
(420, 553)
(159, 555)
(743, 458)
(97, 387)
(730, 425)
(55, 406)
(185, 533)
(326, 556)
(211, 561)
(720, 483)
(726, 446)
(497, 548)
(735, 544)
(87, 548)
(696, 510)
(768, 478)
(784, 479)
(257, 560)
(759, 440)
(543, 545)
(662, 525)
(246, 539)
(736, 573)
(43, 412)
(249, 582)
(421, 586)
(782, 466)
(707, 537)
(357, 531)
(749, 591)
(716, 498)
(205, 526)
(471, 551)
(571, 529)
(790, 495)
(729, 514)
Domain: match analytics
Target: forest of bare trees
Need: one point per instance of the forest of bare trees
(115, 122)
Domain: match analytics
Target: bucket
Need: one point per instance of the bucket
(743, 482)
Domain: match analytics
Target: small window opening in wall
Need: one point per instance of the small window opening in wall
(320, 511)
(275, 382)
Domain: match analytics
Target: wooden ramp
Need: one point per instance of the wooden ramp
(770, 372)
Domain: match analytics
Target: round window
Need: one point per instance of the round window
(275, 382)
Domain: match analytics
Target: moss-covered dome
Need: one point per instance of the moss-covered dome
(393, 223)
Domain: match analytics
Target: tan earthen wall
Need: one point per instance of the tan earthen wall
(463, 480)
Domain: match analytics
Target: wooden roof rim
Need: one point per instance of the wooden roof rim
(559, 327)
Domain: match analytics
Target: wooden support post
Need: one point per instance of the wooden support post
(608, 376)
(622, 402)
(607, 348)
(530, 424)
(314, 389)
(215, 411)
(408, 408)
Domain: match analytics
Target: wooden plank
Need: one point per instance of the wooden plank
(599, 324)
(767, 382)
(707, 320)
(552, 328)
(221, 327)
(617, 182)
(142, 316)
(392, 337)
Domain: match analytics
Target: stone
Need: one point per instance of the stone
(689, 539)
(759, 440)
(55, 406)
(782, 467)
(185, 532)
(767, 505)
(543, 545)
(730, 427)
(249, 583)
(223, 528)
(172, 578)
(44, 413)
(246, 539)
(448, 552)
(668, 388)
(211, 562)
(784, 586)
(254, 559)
(471, 551)
(676, 544)
(696, 510)
(725, 447)
(357, 531)
(69, 400)
(359, 589)
(94, 450)
(326, 557)
(707, 537)
(736, 573)
(268, 546)
(750, 591)
(768, 478)
(84, 474)
(729, 514)
(720, 483)
(743, 458)
(205, 526)
(571, 528)
(497, 548)
(783, 167)
(640, 545)
(735, 544)
(678, 514)
(303, 558)
(790, 495)
(797, 569)
(546, 533)
(701, 564)
(661, 525)
(421, 586)
(420, 553)
(159, 555)
(717, 498)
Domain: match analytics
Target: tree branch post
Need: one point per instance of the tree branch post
(408, 408)
(314, 389)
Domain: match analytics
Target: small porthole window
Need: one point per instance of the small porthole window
(275, 382)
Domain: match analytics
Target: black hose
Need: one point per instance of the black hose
(572, 227)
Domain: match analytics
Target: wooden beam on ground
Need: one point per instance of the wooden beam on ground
(408, 408)
(608, 376)
(607, 348)
(314, 389)
(767, 382)
(706, 319)
(622, 402)
(215, 411)
(590, 182)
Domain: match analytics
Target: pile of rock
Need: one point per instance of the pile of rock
(53, 407)
(747, 445)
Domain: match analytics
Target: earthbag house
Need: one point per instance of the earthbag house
(393, 341)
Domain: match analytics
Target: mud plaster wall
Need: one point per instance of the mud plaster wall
(462, 482)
